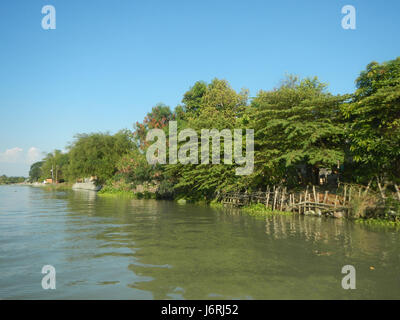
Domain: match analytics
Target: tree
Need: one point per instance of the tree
(159, 117)
(192, 99)
(297, 124)
(98, 154)
(374, 120)
(218, 107)
(10, 180)
(55, 166)
(35, 171)
(135, 169)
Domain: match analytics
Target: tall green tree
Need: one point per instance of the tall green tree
(35, 171)
(374, 120)
(158, 117)
(297, 124)
(134, 168)
(55, 166)
(98, 154)
(219, 107)
(10, 180)
(192, 99)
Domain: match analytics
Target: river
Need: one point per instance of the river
(120, 248)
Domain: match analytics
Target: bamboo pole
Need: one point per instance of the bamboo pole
(380, 188)
(293, 200)
(305, 199)
(325, 196)
(282, 199)
(275, 194)
(350, 194)
(299, 206)
(315, 195)
(367, 188)
(397, 191)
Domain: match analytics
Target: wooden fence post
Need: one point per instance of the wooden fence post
(326, 196)
(299, 205)
(314, 193)
(397, 191)
(275, 194)
(268, 192)
(350, 194)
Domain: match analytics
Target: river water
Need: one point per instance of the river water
(119, 248)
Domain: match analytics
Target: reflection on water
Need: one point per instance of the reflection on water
(119, 248)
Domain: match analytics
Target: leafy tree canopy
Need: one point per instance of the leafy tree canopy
(98, 154)
(158, 118)
(297, 124)
(35, 171)
(374, 120)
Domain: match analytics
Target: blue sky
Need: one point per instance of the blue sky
(108, 62)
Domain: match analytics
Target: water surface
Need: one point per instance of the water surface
(119, 248)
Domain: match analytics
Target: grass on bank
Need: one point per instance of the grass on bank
(255, 210)
(109, 191)
(216, 204)
(259, 210)
(368, 210)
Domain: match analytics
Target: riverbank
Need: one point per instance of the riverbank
(89, 185)
(259, 210)
(252, 209)
(58, 187)
(108, 191)
(64, 186)
(255, 210)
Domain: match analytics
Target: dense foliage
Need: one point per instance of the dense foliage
(98, 154)
(54, 166)
(36, 171)
(299, 124)
(373, 119)
(10, 180)
(300, 127)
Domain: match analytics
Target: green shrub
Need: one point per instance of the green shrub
(165, 190)
(358, 206)
(260, 210)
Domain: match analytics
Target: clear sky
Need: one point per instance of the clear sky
(108, 62)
